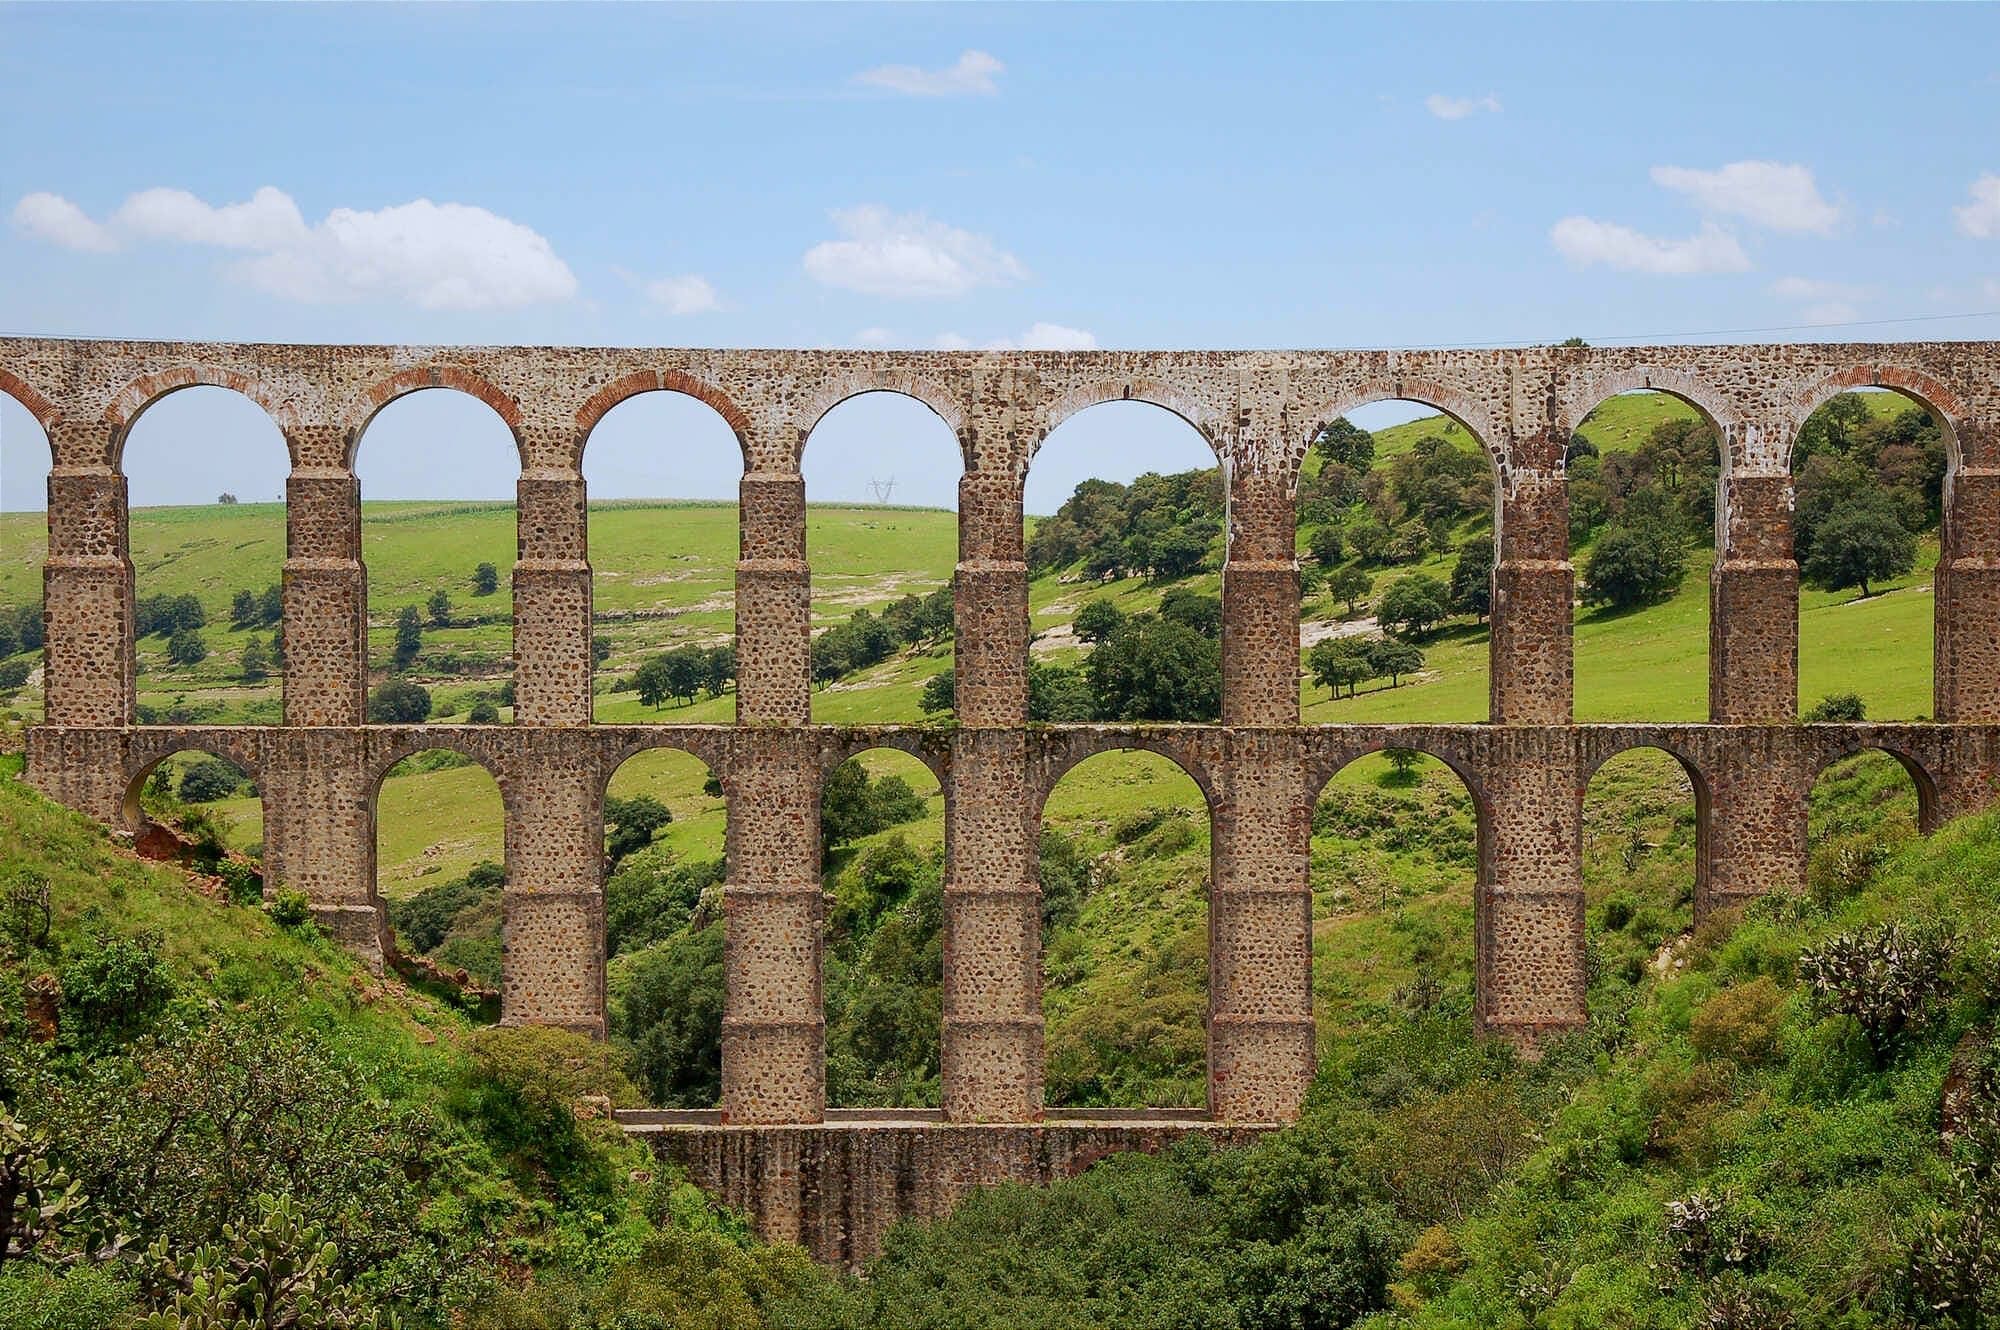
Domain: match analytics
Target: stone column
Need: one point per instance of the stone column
(552, 962)
(1260, 1019)
(89, 662)
(773, 602)
(1529, 908)
(319, 832)
(774, 1006)
(1968, 583)
(1753, 606)
(326, 599)
(1534, 589)
(992, 996)
(552, 662)
(1260, 604)
(1756, 842)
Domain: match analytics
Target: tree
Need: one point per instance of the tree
(1098, 619)
(630, 825)
(255, 663)
(186, 647)
(940, 692)
(1348, 585)
(652, 681)
(1343, 442)
(600, 649)
(1327, 545)
(1339, 662)
(1193, 610)
(243, 608)
(1837, 707)
(1634, 565)
(399, 702)
(225, 497)
(1404, 762)
(209, 779)
(1388, 655)
(409, 636)
(1471, 589)
(439, 606)
(1156, 669)
(271, 604)
(483, 713)
(28, 628)
(1413, 604)
(485, 580)
(1058, 693)
(718, 670)
(1859, 543)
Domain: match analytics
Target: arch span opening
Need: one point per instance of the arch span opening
(1396, 505)
(205, 472)
(204, 811)
(24, 468)
(881, 476)
(437, 470)
(1871, 471)
(663, 471)
(1862, 809)
(1644, 849)
(1642, 472)
(882, 839)
(441, 860)
(665, 833)
(1126, 528)
(1394, 867)
(1125, 867)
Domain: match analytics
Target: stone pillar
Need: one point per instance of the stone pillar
(1260, 1019)
(89, 662)
(552, 661)
(992, 999)
(1967, 680)
(773, 602)
(1529, 908)
(992, 933)
(1756, 841)
(774, 1006)
(1753, 607)
(1534, 590)
(326, 600)
(1260, 604)
(552, 961)
(319, 832)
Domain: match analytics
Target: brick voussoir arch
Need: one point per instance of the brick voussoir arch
(1207, 419)
(1588, 392)
(1599, 744)
(132, 401)
(41, 408)
(903, 381)
(1472, 414)
(422, 377)
(600, 403)
(1941, 402)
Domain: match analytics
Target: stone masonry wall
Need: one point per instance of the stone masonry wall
(1260, 770)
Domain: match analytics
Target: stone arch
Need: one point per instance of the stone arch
(41, 408)
(142, 394)
(1591, 762)
(1856, 743)
(151, 748)
(381, 394)
(1203, 418)
(927, 747)
(1718, 411)
(1343, 752)
(899, 382)
(402, 742)
(1058, 762)
(710, 749)
(1469, 412)
(631, 385)
(1939, 401)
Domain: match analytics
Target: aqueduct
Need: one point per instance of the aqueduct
(832, 1179)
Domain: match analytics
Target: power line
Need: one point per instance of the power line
(1673, 337)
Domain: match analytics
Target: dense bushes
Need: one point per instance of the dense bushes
(1158, 526)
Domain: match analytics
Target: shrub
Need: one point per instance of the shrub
(399, 702)
(209, 779)
(669, 1014)
(290, 909)
(14, 673)
(83, 1297)
(186, 647)
(1838, 707)
(484, 713)
(114, 988)
(1886, 978)
(522, 1089)
(281, 1272)
(1740, 1023)
(245, 884)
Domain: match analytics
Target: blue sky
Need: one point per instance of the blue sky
(1050, 175)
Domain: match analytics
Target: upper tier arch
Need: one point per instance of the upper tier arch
(385, 391)
(601, 402)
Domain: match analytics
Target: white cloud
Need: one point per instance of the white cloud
(1812, 288)
(1830, 311)
(683, 295)
(874, 338)
(1981, 217)
(1040, 336)
(431, 255)
(1458, 108)
(972, 76)
(55, 219)
(1585, 241)
(907, 254)
(1778, 195)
